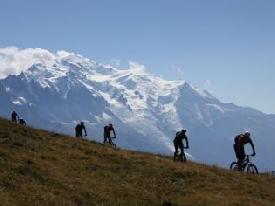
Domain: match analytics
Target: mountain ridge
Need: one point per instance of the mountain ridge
(146, 110)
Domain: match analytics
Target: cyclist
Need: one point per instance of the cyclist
(241, 140)
(107, 133)
(22, 122)
(178, 144)
(78, 130)
(14, 117)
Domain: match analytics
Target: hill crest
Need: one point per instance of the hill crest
(43, 168)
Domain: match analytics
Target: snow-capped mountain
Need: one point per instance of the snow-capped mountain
(146, 110)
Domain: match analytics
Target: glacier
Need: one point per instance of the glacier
(58, 90)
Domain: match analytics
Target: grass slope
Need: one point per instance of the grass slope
(42, 168)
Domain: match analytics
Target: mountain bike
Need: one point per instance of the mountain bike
(246, 166)
(179, 157)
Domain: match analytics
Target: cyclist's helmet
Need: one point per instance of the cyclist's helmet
(183, 130)
(81, 123)
(247, 134)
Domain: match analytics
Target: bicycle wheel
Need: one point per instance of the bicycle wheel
(252, 169)
(234, 166)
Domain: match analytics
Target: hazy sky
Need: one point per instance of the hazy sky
(226, 46)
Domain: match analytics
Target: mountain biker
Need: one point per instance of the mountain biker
(78, 130)
(241, 140)
(14, 117)
(22, 121)
(107, 133)
(178, 144)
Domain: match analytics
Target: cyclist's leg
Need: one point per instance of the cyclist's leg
(176, 150)
(241, 157)
(238, 156)
(184, 156)
(182, 153)
(77, 134)
(109, 140)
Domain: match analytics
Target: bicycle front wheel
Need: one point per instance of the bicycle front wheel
(252, 169)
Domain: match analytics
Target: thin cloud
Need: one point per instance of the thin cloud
(179, 71)
(115, 62)
(207, 84)
(136, 67)
(14, 60)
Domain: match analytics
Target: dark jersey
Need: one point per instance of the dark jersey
(22, 121)
(242, 140)
(79, 128)
(180, 136)
(14, 116)
(108, 130)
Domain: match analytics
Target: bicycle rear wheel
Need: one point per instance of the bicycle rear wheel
(252, 169)
(234, 166)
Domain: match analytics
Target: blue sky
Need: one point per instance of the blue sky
(226, 46)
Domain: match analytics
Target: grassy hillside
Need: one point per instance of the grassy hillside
(42, 168)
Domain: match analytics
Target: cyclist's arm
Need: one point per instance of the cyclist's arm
(253, 147)
(186, 141)
(84, 128)
(114, 132)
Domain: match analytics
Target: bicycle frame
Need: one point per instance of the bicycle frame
(246, 161)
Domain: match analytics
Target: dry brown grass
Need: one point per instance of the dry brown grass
(40, 168)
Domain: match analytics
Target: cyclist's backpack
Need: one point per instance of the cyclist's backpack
(105, 130)
(236, 138)
(177, 137)
(77, 128)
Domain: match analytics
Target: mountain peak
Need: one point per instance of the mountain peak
(137, 69)
(57, 90)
